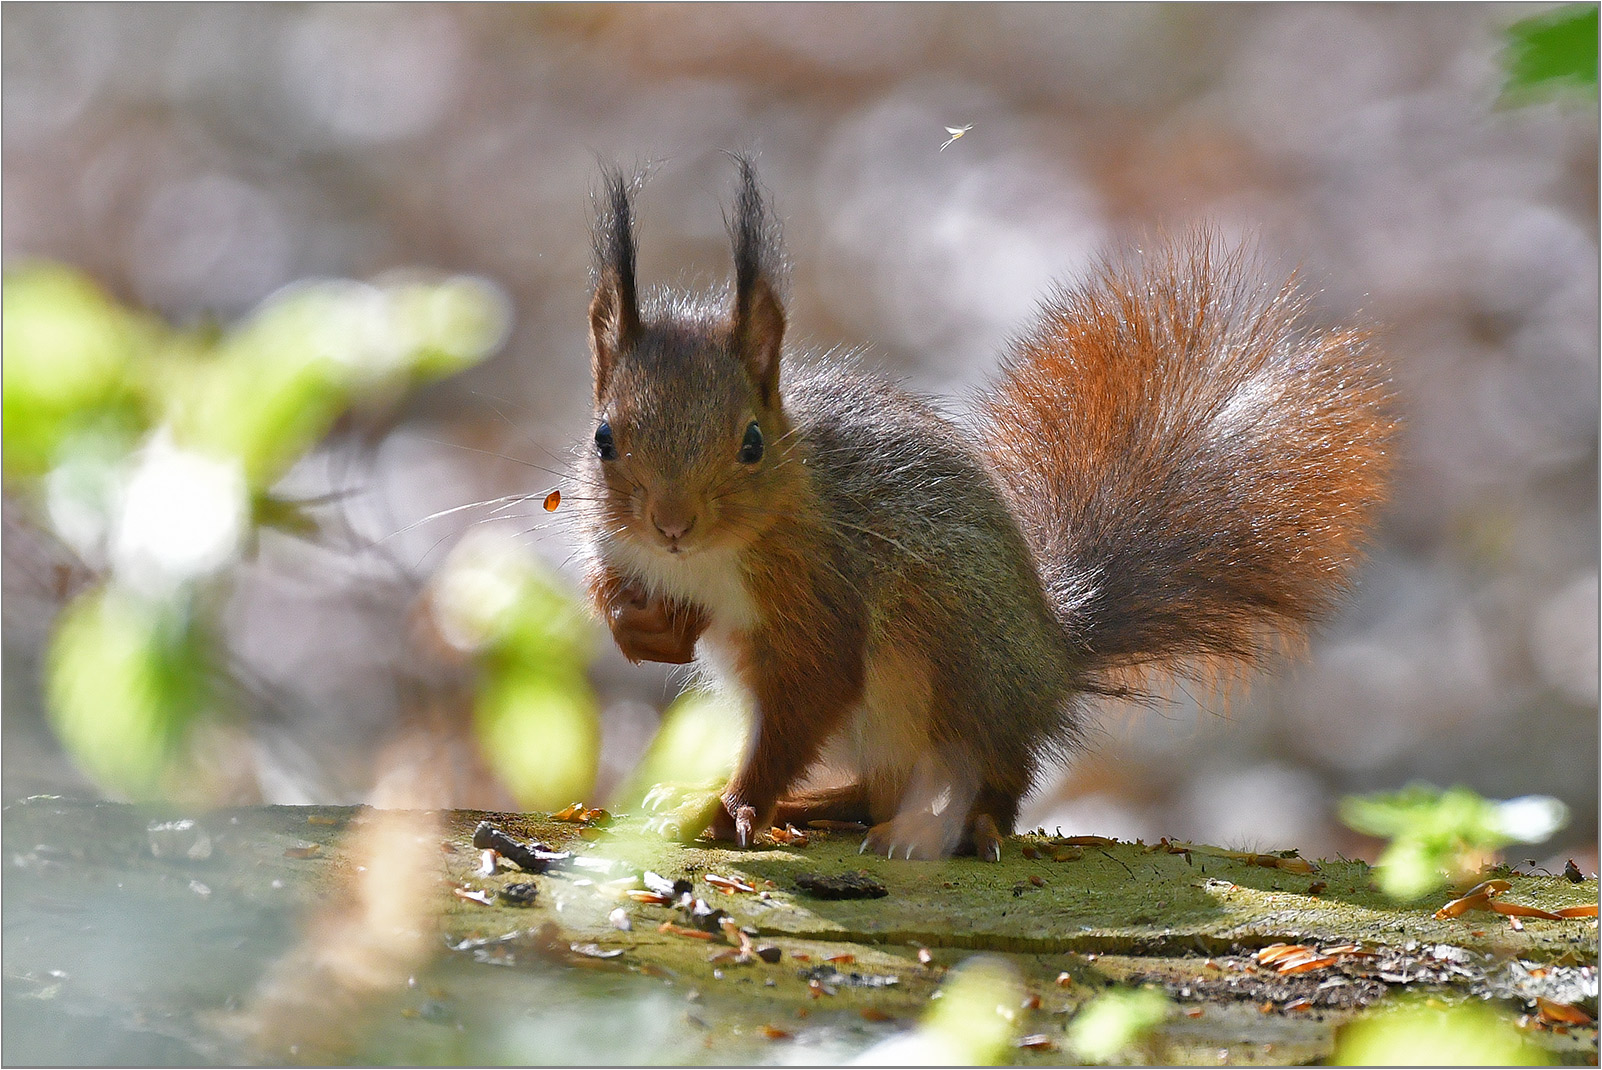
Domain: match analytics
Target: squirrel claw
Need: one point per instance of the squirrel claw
(658, 797)
(736, 822)
(745, 826)
(924, 836)
(903, 838)
(665, 827)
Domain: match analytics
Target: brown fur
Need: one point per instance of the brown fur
(1196, 467)
(1172, 470)
(803, 664)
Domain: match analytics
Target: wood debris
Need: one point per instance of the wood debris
(728, 884)
(579, 814)
(1483, 896)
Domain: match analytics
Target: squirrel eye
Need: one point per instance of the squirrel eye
(751, 446)
(604, 445)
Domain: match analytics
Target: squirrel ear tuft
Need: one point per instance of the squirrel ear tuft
(758, 323)
(759, 337)
(614, 310)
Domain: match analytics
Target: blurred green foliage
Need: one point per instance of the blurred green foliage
(1436, 836)
(152, 452)
(536, 716)
(700, 741)
(971, 1021)
(974, 1022)
(126, 678)
(1116, 1021)
(1414, 1033)
(677, 787)
(69, 370)
(1550, 53)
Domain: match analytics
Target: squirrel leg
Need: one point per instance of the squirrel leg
(750, 802)
(849, 802)
(805, 681)
(792, 721)
(927, 821)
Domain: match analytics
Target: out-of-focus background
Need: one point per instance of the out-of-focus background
(195, 159)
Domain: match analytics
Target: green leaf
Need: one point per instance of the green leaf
(449, 325)
(118, 424)
(125, 682)
(69, 353)
(264, 399)
(1415, 1034)
(1117, 1020)
(1435, 834)
(539, 730)
(699, 742)
(496, 597)
(316, 349)
(1552, 52)
(971, 1022)
(536, 716)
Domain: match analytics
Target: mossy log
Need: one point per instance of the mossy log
(318, 934)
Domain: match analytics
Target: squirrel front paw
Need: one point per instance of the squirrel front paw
(739, 823)
(653, 628)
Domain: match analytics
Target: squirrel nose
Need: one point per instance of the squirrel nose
(674, 520)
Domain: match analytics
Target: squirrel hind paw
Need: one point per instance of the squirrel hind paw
(984, 836)
(925, 837)
(893, 839)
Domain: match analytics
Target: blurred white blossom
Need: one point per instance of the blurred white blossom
(181, 518)
(1530, 818)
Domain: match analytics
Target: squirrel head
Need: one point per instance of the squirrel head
(690, 431)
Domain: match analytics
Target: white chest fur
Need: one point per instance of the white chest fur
(711, 579)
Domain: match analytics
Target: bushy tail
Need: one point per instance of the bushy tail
(1193, 466)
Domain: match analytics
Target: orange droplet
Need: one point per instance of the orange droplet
(552, 500)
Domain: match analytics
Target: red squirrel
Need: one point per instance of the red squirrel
(1171, 469)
